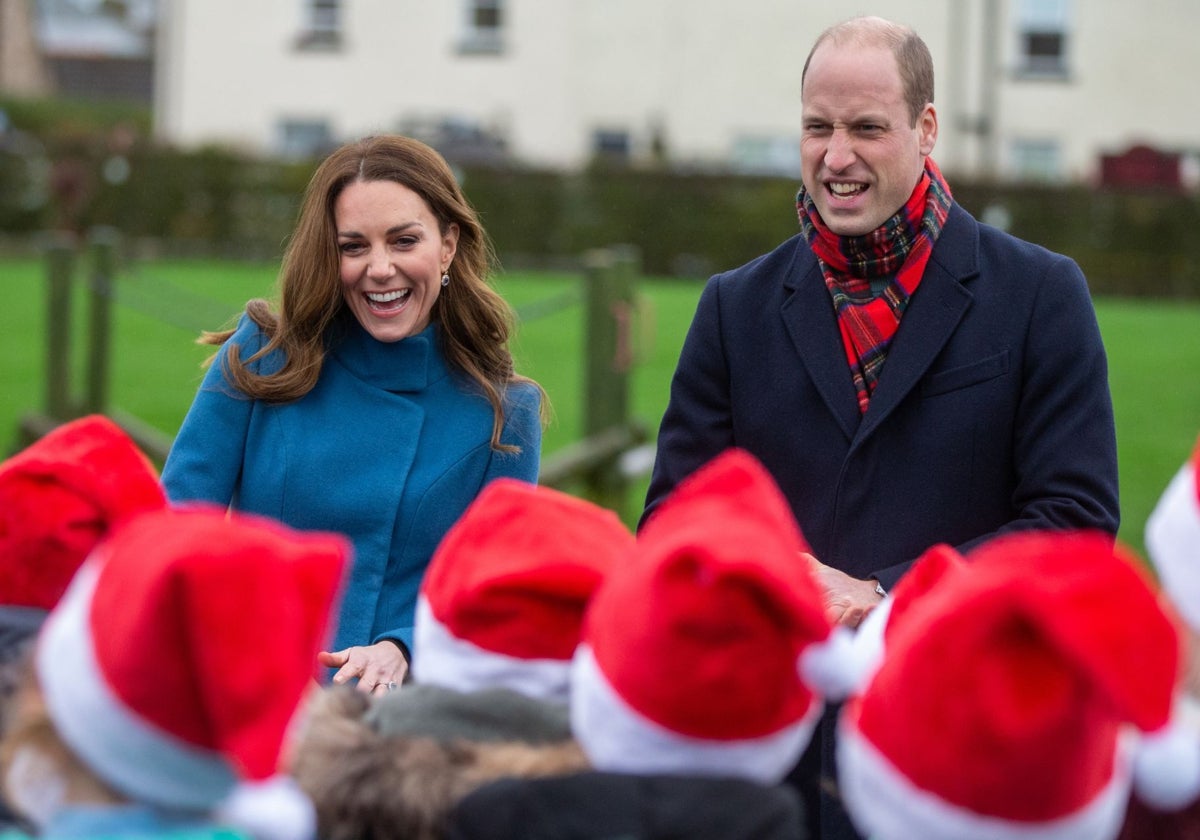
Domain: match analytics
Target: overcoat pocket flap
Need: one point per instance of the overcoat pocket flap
(964, 376)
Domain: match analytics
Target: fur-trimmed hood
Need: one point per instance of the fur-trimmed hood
(367, 785)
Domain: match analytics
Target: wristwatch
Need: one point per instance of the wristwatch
(879, 590)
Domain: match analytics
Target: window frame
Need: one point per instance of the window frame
(478, 38)
(322, 26)
(1038, 24)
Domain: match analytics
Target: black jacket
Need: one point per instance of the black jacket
(612, 806)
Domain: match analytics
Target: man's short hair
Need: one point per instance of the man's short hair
(912, 55)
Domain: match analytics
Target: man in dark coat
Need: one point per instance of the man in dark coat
(908, 375)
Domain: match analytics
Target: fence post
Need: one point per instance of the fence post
(60, 407)
(60, 262)
(102, 246)
(608, 339)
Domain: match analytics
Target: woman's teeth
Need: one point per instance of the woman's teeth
(385, 298)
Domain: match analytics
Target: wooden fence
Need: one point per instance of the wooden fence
(597, 462)
(60, 403)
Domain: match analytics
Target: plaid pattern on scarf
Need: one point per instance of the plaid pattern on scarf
(899, 250)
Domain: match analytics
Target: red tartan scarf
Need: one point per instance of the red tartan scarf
(897, 250)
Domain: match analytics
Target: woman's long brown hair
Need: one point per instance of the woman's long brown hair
(476, 323)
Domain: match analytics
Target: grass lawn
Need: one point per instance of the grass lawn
(1154, 350)
(1153, 357)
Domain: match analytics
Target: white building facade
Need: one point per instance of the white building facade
(1025, 88)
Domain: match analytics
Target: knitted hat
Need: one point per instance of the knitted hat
(692, 653)
(1173, 540)
(502, 601)
(175, 661)
(59, 497)
(1019, 697)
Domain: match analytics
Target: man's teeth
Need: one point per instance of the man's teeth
(845, 189)
(388, 297)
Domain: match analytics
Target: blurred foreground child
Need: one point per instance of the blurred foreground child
(498, 620)
(1021, 693)
(1173, 543)
(143, 717)
(689, 692)
(58, 498)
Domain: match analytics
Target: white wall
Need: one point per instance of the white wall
(704, 72)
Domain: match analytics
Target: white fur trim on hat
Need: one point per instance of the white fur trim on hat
(1166, 768)
(845, 662)
(441, 658)
(138, 759)
(887, 806)
(1173, 543)
(273, 809)
(616, 738)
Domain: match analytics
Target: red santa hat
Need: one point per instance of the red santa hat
(1173, 540)
(693, 653)
(920, 587)
(59, 497)
(502, 601)
(175, 661)
(1020, 696)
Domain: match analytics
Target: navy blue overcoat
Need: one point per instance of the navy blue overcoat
(993, 412)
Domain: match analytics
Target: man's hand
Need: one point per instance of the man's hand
(847, 600)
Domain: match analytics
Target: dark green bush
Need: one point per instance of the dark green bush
(1138, 244)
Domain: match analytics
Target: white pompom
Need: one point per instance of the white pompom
(837, 667)
(273, 809)
(1166, 768)
(869, 641)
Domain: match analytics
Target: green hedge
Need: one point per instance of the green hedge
(1137, 244)
(214, 201)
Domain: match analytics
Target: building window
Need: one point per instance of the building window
(303, 139)
(766, 155)
(322, 26)
(483, 27)
(611, 145)
(1037, 160)
(1042, 30)
(460, 139)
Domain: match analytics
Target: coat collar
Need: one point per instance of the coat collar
(931, 318)
(126, 820)
(408, 365)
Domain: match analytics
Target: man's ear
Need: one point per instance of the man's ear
(927, 129)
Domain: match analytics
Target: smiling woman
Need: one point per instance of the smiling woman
(377, 398)
(393, 256)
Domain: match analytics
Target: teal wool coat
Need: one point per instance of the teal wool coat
(388, 448)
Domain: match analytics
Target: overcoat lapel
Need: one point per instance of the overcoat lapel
(811, 323)
(928, 323)
(932, 316)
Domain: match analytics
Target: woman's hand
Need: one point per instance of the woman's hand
(378, 667)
